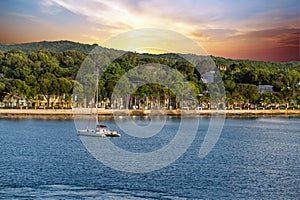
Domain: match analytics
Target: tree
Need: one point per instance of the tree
(229, 85)
(246, 91)
(2, 90)
(293, 78)
(65, 86)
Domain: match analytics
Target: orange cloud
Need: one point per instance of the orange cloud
(224, 28)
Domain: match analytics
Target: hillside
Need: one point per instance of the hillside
(53, 46)
(65, 45)
(53, 71)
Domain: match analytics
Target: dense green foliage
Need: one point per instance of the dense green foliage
(242, 77)
(48, 73)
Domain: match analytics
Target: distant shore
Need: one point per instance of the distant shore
(68, 114)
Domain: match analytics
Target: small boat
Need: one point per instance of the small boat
(100, 131)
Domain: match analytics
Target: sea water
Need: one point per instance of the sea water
(254, 158)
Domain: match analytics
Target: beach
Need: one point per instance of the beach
(68, 114)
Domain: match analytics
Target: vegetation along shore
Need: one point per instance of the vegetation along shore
(42, 75)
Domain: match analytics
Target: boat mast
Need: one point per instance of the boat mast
(97, 83)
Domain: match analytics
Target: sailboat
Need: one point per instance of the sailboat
(100, 130)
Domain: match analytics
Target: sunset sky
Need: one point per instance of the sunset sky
(257, 29)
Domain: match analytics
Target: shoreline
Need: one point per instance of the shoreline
(68, 114)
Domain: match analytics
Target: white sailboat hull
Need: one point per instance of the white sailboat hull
(96, 133)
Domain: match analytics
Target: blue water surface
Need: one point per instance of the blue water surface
(255, 158)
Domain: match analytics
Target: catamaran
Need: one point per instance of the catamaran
(100, 130)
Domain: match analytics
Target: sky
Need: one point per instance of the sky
(266, 30)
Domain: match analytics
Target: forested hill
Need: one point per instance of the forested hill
(65, 45)
(50, 68)
(55, 46)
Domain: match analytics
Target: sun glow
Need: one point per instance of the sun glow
(231, 29)
(151, 51)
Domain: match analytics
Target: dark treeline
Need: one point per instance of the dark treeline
(40, 74)
(52, 46)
